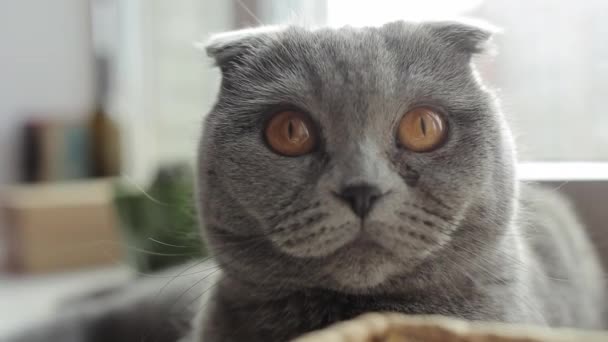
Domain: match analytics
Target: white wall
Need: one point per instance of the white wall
(163, 86)
(45, 67)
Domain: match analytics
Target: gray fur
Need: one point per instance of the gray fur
(448, 237)
(454, 233)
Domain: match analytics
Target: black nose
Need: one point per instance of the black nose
(361, 198)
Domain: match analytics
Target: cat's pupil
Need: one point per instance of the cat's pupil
(423, 126)
(290, 130)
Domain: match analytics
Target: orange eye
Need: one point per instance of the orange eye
(290, 133)
(422, 130)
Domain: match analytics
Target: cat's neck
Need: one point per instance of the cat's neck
(279, 312)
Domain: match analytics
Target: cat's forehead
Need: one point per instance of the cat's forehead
(315, 46)
(354, 73)
(346, 56)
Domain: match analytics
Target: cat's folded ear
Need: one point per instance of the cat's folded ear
(468, 36)
(227, 47)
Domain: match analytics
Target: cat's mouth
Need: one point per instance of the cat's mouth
(328, 240)
(363, 240)
(366, 242)
(357, 254)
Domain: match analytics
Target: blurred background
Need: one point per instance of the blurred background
(102, 102)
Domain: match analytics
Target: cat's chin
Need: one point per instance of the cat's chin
(361, 265)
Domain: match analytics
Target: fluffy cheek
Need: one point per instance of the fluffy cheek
(266, 185)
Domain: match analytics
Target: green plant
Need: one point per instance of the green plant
(160, 224)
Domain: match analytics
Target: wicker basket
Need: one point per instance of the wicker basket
(402, 328)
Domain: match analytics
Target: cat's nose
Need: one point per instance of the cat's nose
(360, 197)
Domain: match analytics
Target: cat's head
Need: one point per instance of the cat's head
(348, 156)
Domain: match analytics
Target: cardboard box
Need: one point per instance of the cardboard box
(60, 226)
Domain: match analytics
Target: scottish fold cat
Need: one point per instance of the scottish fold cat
(343, 171)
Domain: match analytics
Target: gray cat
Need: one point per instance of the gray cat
(354, 170)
